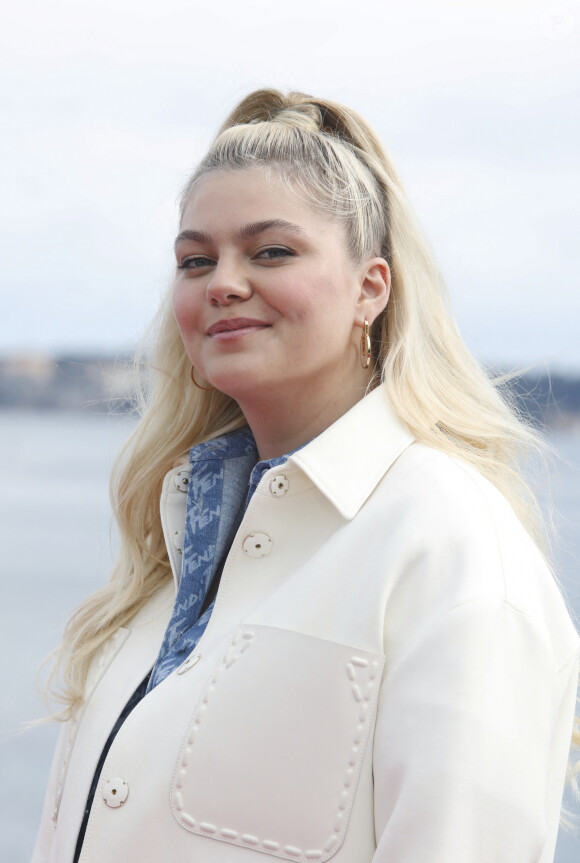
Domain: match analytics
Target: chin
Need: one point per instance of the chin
(242, 384)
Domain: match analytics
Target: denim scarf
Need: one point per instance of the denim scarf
(224, 476)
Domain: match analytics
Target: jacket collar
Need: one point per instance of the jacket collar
(348, 460)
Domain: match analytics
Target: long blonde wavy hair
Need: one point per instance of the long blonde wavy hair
(329, 155)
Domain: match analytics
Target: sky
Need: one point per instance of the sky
(106, 108)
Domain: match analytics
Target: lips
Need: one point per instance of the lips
(229, 325)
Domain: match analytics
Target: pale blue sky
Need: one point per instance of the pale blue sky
(108, 105)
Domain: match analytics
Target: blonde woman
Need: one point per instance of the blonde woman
(331, 633)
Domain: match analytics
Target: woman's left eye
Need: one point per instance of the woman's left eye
(273, 253)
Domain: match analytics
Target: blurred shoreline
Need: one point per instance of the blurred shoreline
(104, 383)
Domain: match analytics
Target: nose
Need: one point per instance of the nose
(227, 285)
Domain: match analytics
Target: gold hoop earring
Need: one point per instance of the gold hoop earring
(365, 346)
(193, 380)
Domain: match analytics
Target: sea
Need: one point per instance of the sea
(54, 469)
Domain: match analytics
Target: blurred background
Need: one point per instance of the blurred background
(106, 109)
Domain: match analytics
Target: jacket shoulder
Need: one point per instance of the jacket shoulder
(450, 500)
(462, 542)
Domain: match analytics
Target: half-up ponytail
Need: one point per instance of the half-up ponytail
(306, 112)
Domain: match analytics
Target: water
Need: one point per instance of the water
(54, 496)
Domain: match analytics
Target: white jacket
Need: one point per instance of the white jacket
(389, 675)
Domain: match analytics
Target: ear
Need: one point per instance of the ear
(375, 287)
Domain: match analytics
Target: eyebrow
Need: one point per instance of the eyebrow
(246, 232)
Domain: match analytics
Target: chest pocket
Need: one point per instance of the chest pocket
(273, 752)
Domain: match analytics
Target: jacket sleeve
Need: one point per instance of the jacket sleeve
(472, 739)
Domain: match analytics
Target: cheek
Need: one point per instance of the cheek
(183, 308)
(320, 302)
(305, 300)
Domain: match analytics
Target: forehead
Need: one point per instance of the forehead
(248, 194)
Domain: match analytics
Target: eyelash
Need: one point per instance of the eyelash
(193, 262)
(285, 252)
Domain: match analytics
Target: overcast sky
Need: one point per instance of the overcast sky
(107, 106)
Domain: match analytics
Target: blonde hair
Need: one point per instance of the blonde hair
(329, 155)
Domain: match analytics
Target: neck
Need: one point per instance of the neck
(282, 421)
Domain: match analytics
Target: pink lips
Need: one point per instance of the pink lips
(233, 325)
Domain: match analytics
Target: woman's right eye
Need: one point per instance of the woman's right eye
(195, 262)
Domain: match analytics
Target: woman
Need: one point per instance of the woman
(335, 636)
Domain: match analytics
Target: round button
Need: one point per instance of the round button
(181, 480)
(115, 792)
(257, 544)
(279, 485)
(189, 663)
(177, 540)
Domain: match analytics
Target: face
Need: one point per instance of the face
(265, 296)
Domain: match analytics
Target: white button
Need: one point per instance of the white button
(189, 663)
(177, 540)
(181, 480)
(115, 792)
(257, 544)
(279, 485)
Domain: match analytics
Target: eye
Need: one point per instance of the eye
(275, 253)
(195, 262)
